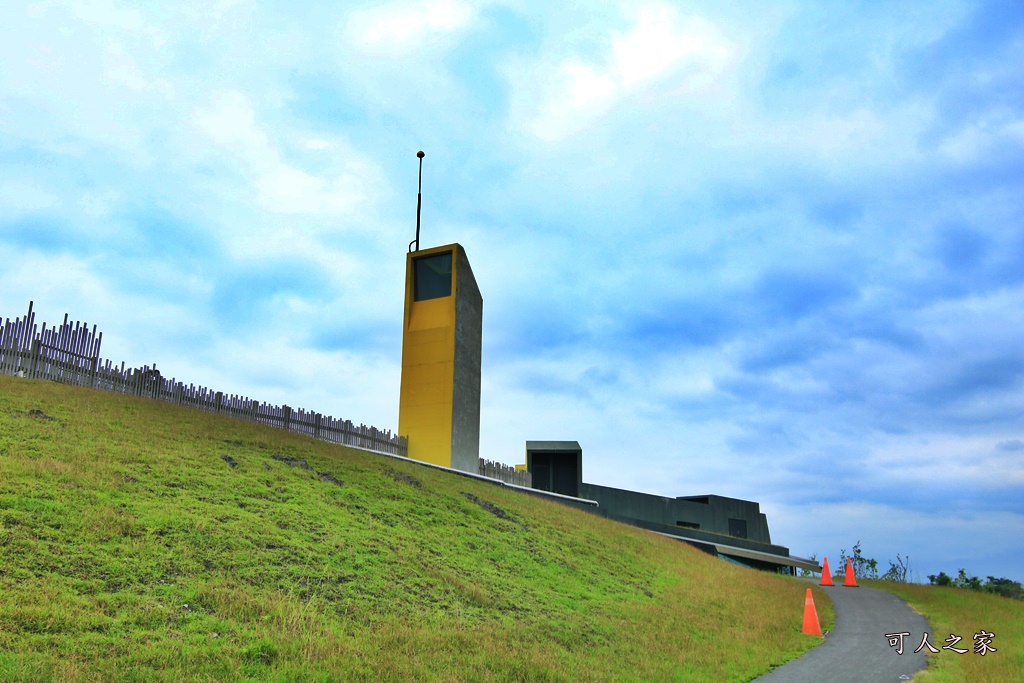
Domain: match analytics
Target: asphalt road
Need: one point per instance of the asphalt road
(857, 650)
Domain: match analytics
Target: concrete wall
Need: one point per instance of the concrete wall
(469, 316)
(717, 519)
(705, 513)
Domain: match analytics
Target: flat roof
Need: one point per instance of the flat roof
(553, 446)
(733, 551)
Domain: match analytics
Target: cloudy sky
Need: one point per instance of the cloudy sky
(773, 251)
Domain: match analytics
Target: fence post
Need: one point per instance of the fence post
(34, 358)
(216, 400)
(316, 426)
(287, 417)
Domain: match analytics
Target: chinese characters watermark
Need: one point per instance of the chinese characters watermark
(982, 643)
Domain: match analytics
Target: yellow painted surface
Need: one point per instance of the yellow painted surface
(428, 370)
(521, 468)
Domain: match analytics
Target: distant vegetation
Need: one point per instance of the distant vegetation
(1003, 587)
(143, 541)
(899, 571)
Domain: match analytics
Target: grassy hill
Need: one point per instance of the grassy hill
(140, 541)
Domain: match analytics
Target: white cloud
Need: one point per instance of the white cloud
(1016, 130)
(121, 69)
(953, 460)
(828, 136)
(105, 16)
(71, 285)
(982, 136)
(661, 41)
(230, 122)
(19, 197)
(557, 96)
(401, 29)
(577, 93)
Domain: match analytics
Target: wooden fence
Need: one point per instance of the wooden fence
(71, 354)
(505, 473)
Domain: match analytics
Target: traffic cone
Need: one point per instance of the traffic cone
(811, 625)
(826, 575)
(851, 580)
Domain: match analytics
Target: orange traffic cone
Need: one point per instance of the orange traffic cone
(826, 575)
(811, 625)
(851, 580)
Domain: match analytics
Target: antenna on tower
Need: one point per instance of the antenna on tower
(419, 203)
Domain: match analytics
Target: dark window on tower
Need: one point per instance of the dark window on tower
(738, 527)
(687, 525)
(433, 277)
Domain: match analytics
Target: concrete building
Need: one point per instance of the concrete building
(733, 529)
(439, 402)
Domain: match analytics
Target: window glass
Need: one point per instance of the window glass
(433, 277)
(738, 527)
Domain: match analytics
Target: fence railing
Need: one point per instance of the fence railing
(71, 354)
(505, 473)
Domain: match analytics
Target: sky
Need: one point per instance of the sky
(771, 251)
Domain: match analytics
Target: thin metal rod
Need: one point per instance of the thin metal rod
(419, 201)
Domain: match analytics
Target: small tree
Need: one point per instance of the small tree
(898, 570)
(965, 581)
(864, 567)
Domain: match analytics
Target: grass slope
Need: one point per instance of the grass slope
(134, 550)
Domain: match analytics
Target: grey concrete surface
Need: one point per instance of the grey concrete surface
(857, 651)
(469, 316)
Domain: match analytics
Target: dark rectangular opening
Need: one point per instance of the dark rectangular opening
(738, 527)
(687, 525)
(432, 277)
(557, 472)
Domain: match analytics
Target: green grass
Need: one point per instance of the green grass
(132, 551)
(964, 613)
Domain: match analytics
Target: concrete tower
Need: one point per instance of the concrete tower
(439, 403)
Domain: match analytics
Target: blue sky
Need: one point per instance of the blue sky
(773, 251)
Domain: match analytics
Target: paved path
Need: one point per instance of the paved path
(857, 649)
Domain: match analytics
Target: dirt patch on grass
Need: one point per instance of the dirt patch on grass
(229, 460)
(301, 464)
(330, 478)
(493, 509)
(407, 478)
(39, 415)
(291, 462)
